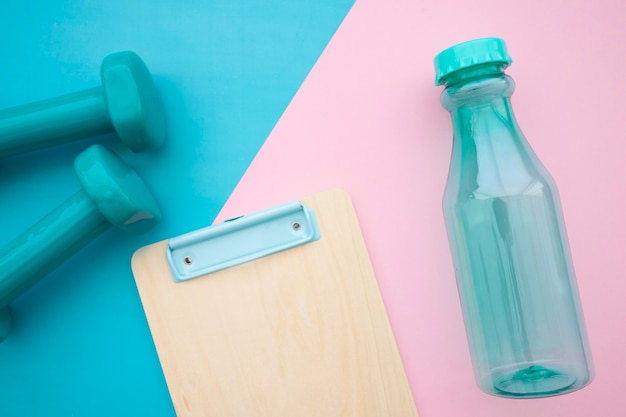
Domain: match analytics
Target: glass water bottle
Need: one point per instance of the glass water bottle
(513, 266)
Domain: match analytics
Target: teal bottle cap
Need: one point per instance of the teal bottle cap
(469, 54)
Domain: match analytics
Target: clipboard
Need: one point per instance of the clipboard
(274, 314)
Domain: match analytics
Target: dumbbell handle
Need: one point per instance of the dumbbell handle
(50, 122)
(48, 244)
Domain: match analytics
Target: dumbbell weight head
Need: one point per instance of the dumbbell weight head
(132, 101)
(116, 190)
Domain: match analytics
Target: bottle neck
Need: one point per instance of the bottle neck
(490, 156)
(473, 73)
(477, 86)
(480, 106)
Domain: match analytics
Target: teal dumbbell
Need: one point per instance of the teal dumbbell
(112, 194)
(126, 103)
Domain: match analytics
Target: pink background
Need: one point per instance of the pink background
(368, 120)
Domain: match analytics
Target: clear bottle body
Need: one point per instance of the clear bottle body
(509, 246)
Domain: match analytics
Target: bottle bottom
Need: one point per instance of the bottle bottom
(534, 381)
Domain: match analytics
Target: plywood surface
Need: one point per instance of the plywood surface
(299, 333)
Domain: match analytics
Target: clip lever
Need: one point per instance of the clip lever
(240, 240)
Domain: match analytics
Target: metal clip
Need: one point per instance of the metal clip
(240, 240)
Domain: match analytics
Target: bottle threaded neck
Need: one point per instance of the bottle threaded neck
(473, 73)
(477, 88)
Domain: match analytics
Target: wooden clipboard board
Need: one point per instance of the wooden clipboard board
(301, 332)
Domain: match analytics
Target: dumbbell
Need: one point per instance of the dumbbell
(126, 103)
(112, 194)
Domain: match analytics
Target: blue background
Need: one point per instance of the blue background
(226, 70)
